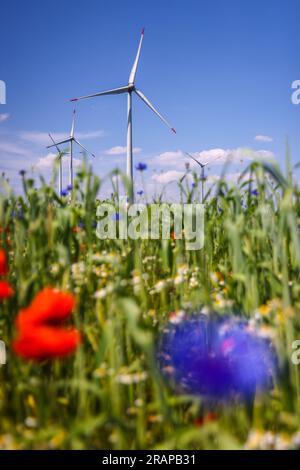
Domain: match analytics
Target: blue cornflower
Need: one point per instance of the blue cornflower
(141, 167)
(216, 358)
(116, 216)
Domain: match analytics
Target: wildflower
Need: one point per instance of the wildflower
(140, 193)
(264, 310)
(64, 193)
(141, 167)
(40, 335)
(69, 187)
(116, 216)
(160, 286)
(128, 379)
(102, 293)
(177, 317)
(5, 290)
(178, 280)
(254, 192)
(183, 270)
(22, 173)
(216, 358)
(3, 263)
(194, 282)
(31, 422)
(217, 278)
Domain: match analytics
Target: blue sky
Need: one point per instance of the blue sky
(219, 71)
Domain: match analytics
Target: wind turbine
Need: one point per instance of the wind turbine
(71, 140)
(129, 89)
(60, 154)
(202, 166)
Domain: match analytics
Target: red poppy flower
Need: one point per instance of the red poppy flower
(41, 334)
(3, 263)
(46, 342)
(5, 290)
(49, 307)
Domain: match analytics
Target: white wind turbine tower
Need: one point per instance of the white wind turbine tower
(202, 166)
(129, 89)
(71, 140)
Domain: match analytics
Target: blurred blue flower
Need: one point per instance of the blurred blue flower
(64, 192)
(22, 172)
(116, 216)
(69, 187)
(141, 167)
(216, 358)
(140, 193)
(254, 192)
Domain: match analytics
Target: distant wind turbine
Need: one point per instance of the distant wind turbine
(202, 166)
(129, 89)
(71, 140)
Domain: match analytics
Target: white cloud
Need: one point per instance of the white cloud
(170, 158)
(213, 157)
(229, 177)
(48, 161)
(4, 117)
(263, 138)
(119, 150)
(42, 138)
(168, 176)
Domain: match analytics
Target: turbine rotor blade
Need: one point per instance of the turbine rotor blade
(136, 61)
(86, 150)
(114, 91)
(54, 143)
(59, 143)
(73, 124)
(195, 160)
(150, 105)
